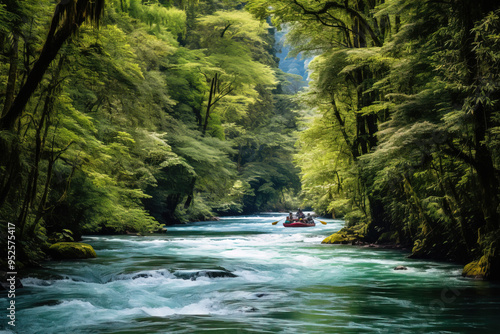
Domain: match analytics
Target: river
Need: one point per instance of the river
(280, 280)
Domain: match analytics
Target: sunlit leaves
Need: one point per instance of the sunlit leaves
(230, 39)
(112, 141)
(231, 25)
(158, 17)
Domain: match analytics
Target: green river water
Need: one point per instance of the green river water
(282, 280)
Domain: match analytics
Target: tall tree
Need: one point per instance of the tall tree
(346, 36)
(67, 18)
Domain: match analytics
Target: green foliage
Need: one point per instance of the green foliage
(166, 113)
(64, 236)
(158, 17)
(403, 127)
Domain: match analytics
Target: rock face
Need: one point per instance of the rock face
(71, 250)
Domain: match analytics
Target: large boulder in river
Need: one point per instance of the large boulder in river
(71, 250)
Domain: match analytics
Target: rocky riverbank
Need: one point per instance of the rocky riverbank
(486, 267)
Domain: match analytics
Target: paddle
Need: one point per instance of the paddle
(276, 222)
(322, 222)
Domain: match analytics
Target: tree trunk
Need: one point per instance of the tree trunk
(209, 103)
(483, 161)
(68, 16)
(190, 197)
(48, 54)
(488, 183)
(10, 90)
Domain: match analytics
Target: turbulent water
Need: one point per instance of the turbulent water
(244, 275)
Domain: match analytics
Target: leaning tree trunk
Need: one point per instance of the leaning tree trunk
(68, 17)
(12, 79)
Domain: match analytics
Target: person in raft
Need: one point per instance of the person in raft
(300, 214)
(289, 219)
(309, 219)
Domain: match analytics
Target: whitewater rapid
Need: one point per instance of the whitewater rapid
(245, 275)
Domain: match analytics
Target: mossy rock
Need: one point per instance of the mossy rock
(474, 269)
(71, 250)
(344, 236)
(487, 267)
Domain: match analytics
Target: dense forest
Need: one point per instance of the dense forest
(405, 140)
(124, 115)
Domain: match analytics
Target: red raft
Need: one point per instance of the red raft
(299, 223)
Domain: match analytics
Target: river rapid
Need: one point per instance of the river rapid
(244, 275)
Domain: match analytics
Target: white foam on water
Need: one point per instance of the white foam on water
(127, 239)
(435, 273)
(250, 255)
(262, 240)
(145, 277)
(155, 242)
(308, 261)
(364, 260)
(160, 283)
(36, 282)
(75, 312)
(253, 276)
(80, 313)
(208, 243)
(203, 307)
(281, 268)
(314, 239)
(245, 248)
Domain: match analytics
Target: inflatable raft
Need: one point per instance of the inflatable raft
(299, 223)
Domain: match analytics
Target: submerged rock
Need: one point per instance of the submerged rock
(50, 302)
(142, 275)
(71, 250)
(400, 268)
(194, 274)
(249, 309)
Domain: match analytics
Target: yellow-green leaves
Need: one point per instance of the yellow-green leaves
(232, 41)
